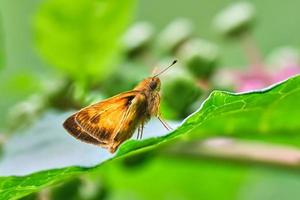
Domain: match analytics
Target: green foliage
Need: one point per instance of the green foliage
(2, 57)
(15, 85)
(200, 179)
(263, 114)
(273, 111)
(81, 37)
(21, 75)
(176, 33)
(174, 83)
(235, 19)
(79, 40)
(200, 57)
(135, 72)
(16, 187)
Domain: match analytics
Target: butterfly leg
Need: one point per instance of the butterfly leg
(113, 148)
(139, 132)
(142, 130)
(164, 123)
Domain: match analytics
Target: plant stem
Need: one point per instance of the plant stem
(204, 85)
(3, 138)
(252, 52)
(238, 150)
(44, 194)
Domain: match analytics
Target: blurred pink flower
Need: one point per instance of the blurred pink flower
(252, 80)
(285, 72)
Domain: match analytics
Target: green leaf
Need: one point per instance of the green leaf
(81, 37)
(274, 111)
(268, 113)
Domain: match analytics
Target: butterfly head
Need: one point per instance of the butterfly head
(151, 84)
(154, 84)
(154, 81)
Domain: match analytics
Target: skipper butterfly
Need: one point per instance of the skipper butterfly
(111, 122)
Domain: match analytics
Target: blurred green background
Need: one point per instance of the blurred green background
(64, 54)
(23, 66)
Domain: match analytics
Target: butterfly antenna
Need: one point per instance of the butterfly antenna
(162, 71)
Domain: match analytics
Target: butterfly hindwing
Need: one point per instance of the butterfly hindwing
(75, 130)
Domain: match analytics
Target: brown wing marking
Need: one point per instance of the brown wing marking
(96, 123)
(72, 127)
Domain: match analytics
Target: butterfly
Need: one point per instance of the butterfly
(112, 121)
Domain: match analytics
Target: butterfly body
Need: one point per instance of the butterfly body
(112, 121)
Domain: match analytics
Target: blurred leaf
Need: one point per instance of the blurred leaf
(20, 53)
(206, 178)
(81, 37)
(178, 82)
(2, 57)
(23, 70)
(120, 81)
(235, 19)
(269, 112)
(15, 87)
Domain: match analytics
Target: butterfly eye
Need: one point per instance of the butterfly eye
(153, 85)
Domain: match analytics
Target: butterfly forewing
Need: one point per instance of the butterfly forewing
(108, 122)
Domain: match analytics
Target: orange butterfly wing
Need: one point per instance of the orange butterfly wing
(110, 122)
